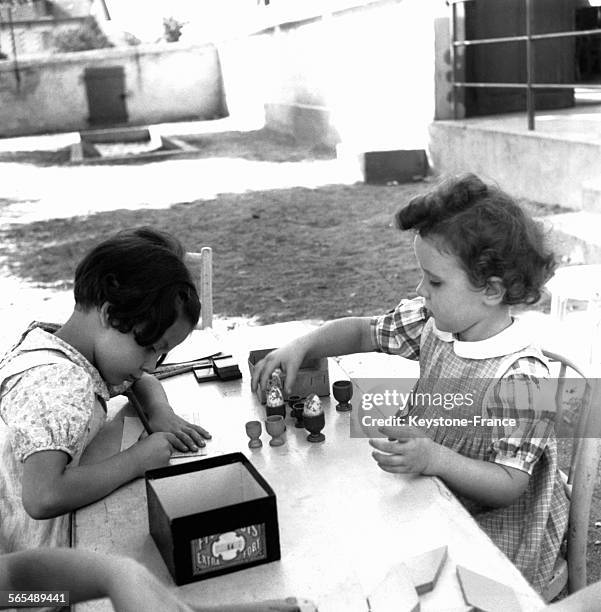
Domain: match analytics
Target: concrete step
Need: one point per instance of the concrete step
(542, 166)
(591, 196)
(576, 236)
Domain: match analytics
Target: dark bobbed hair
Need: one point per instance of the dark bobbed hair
(487, 231)
(141, 273)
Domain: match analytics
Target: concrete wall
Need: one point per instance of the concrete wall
(534, 165)
(363, 77)
(164, 82)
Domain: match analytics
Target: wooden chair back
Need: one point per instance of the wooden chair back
(201, 267)
(580, 480)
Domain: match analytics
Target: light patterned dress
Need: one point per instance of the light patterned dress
(496, 371)
(51, 398)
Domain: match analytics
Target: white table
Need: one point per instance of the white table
(343, 522)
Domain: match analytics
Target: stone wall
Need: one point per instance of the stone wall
(164, 82)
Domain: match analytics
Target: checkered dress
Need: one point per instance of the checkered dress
(529, 531)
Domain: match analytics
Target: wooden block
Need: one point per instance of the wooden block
(205, 374)
(424, 569)
(395, 593)
(224, 363)
(485, 594)
(226, 367)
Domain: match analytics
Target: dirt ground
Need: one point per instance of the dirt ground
(279, 254)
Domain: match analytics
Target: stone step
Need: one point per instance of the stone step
(552, 167)
(591, 196)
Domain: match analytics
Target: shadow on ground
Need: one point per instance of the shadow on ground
(256, 145)
(284, 254)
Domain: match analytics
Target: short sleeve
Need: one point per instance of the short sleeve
(399, 331)
(530, 428)
(115, 390)
(49, 408)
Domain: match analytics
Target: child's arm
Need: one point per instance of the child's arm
(51, 488)
(340, 337)
(151, 395)
(87, 575)
(485, 482)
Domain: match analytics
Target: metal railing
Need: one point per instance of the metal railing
(529, 38)
(11, 27)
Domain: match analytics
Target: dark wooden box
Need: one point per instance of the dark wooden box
(312, 376)
(212, 517)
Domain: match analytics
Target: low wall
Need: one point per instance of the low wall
(164, 82)
(531, 165)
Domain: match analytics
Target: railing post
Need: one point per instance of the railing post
(453, 79)
(529, 66)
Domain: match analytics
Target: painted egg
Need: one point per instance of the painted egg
(312, 405)
(275, 397)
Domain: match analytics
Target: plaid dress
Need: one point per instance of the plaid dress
(501, 373)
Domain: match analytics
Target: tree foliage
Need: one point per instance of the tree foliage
(83, 38)
(172, 29)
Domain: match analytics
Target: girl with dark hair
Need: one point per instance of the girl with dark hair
(479, 254)
(134, 301)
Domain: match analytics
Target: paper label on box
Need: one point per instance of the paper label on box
(220, 550)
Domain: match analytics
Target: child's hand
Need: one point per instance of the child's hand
(153, 451)
(288, 358)
(188, 437)
(409, 452)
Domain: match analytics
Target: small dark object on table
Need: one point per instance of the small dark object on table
(293, 399)
(205, 374)
(253, 431)
(314, 424)
(343, 392)
(313, 418)
(275, 405)
(297, 413)
(275, 427)
(226, 368)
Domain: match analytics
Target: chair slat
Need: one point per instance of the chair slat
(201, 267)
(580, 481)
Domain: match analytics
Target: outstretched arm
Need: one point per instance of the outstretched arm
(88, 575)
(340, 337)
(485, 482)
(129, 585)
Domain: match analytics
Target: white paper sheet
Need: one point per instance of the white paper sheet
(133, 430)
